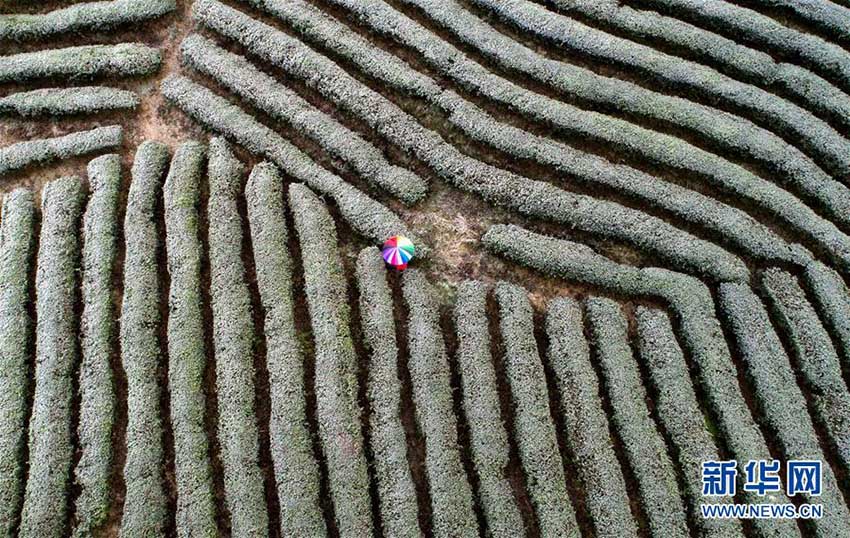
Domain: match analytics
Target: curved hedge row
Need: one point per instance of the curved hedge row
(832, 17)
(734, 134)
(657, 147)
(17, 230)
(233, 339)
(451, 494)
(755, 66)
(68, 101)
(93, 472)
(817, 137)
(587, 431)
(295, 469)
(336, 365)
(145, 503)
(396, 491)
(643, 444)
(815, 356)
(91, 16)
(732, 225)
(186, 354)
(693, 305)
(262, 91)
(782, 405)
(45, 510)
(78, 63)
(533, 426)
(365, 215)
(480, 398)
(533, 198)
(751, 26)
(679, 412)
(43, 151)
(832, 299)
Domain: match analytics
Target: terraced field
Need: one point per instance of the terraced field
(632, 222)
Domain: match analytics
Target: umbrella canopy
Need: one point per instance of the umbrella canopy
(398, 251)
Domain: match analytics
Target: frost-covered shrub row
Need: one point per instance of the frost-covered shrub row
(642, 442)
(829, 16)
(85, 62)
(783, 407)
(755, 66)
(587, 431)
(262, 91)
(488, 438)
(16, 248)
(145, 505)
(691, 302)
(810, 132)
(760, 30)
(68, 101)
(736, 135)
(533, 427)
(534, 198)
(815, 356)
(45, 510)
(295, 468)
(336, 365)
(680, 414)
(396, 491)
(660, 148)
(84, 17)
(451, 494)
(233, 338)
(733, 224)
(832, 299)
(367, 216)
(97, 334)
(186, 354)
(43, 151)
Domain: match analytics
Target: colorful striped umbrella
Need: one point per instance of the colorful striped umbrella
(398, 251)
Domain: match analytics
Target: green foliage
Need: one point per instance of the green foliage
(488, 438)
(145, 503)
(262, 91)
(693, 307)
(533, 198)
(690, 432)
(714, 49)
(93, 472)
(585, 423)
(295, 468)
(336, 365)
(629, 137)
(533, 426)
(82, 17)
(17, 230)
(367, 216)
(808, 131)
(782, 404)
(45, 510)
(451, 494)
(81, 63)
(815, 356)
(723, 130)
(43, 151)
(642, 442)
(233, 337)
(763, 31)
(186, 354)
(68, 101)
(396, 491)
